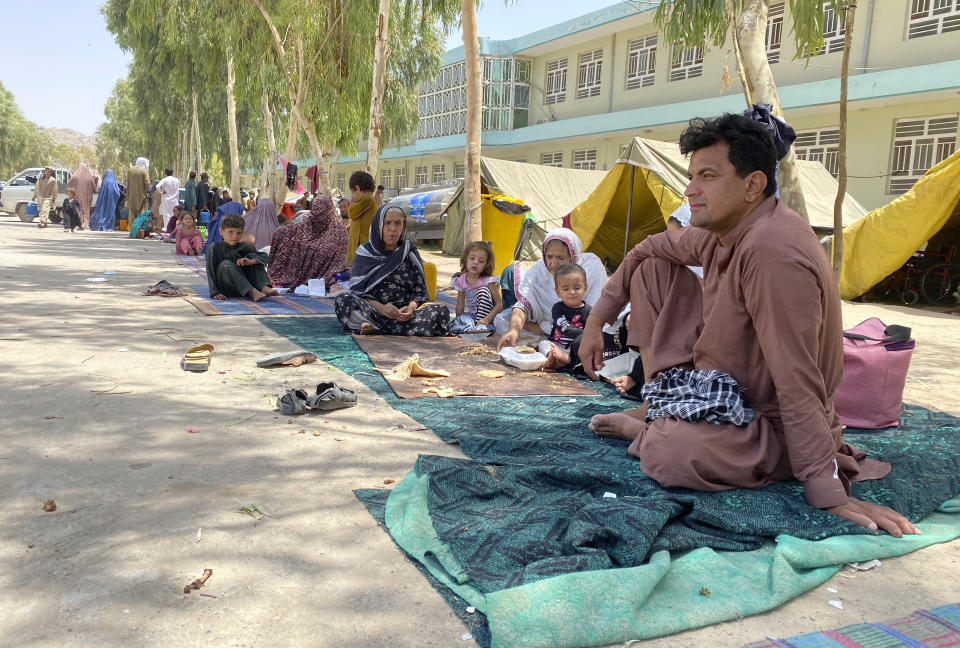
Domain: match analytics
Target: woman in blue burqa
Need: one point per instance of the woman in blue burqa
(105, 213)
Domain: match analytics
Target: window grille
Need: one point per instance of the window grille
(932, 17)
(774, 32)
(819, 146)
(421, 176)
(918, 145)
(588, 76)
(555, 89)
(552, 159)
(585, 159)
(439, 173)
(641, 62)
(687, 63)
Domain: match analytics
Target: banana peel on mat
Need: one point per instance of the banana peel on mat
(411, 367)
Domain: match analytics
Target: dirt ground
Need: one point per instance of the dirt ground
(95, 412)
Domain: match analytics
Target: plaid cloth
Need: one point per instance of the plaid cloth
(694, 395)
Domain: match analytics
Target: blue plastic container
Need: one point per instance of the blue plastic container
(33, 209)
(204, 217)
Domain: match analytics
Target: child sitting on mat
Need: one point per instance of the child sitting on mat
(188, 238)
(235, 268)
(478, 291)
(569, 317)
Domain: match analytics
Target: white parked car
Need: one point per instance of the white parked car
(18, 192)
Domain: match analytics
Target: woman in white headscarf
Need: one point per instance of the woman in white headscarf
(536, 291)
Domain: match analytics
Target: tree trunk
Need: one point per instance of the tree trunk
(191, 156)
(196, 133)
(837, 248)
(751, 36)
(272, 180)
(323, 169)
(232, 131)
(472, 230)
(380, 55)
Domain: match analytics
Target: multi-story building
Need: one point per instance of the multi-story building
(574, 94)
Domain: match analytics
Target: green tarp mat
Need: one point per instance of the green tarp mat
(523, 531)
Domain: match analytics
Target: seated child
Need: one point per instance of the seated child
(235, 268)
(188, 238)
(142, 225)
(569, 317)
(71, 211)
(478, 292)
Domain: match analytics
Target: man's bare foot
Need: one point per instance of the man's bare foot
(623, 383)
(366, 328)
(255, 295)
(618, 426)
(269, 291)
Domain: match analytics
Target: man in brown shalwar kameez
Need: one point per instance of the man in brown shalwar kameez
(767, 313)
(138, 183)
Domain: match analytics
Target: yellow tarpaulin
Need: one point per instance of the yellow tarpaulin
(658, 179)
(882, 241)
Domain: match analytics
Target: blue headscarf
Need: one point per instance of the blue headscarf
(213, 233)
(105, 213)
(372, 263)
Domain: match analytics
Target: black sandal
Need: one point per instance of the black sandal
(331, 396)
(293, 401)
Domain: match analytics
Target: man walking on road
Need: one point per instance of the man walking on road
(45, 195)
(169, 189)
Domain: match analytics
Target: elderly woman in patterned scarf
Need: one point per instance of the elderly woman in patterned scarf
(388, 290)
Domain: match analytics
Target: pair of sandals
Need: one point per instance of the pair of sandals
(163, 288)
(329, 397)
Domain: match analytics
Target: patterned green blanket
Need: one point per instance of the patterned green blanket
(556, 535)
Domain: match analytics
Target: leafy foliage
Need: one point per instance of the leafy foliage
(694, 22)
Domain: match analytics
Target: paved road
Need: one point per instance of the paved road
(95, 411)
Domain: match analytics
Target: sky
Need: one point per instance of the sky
(83, 61)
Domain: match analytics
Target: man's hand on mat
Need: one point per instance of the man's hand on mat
(219, 296)
(404, 314)
(591, 347)
(874, 517)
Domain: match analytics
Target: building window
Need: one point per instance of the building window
(774, 32)
(552, 159)
(585, 159)
(834, 30)
(342, 182)
(386, 178)
(687, 63)
(439, 173)
(421, 177)
(401, 176)
(555, 90)
(932, 17)
(819, 146)
(918, 145)
(641, 62)
(588, 77)
(459, 170)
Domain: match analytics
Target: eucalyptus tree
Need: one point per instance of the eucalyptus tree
(689, 23)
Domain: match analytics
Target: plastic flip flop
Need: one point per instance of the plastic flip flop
(331, 396)
(292, 401)
(286, 358)
(197, 358)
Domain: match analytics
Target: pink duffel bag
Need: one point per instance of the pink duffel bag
(876, 358)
